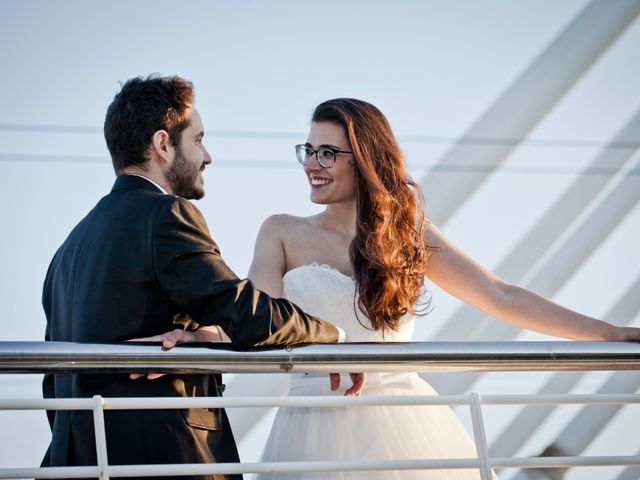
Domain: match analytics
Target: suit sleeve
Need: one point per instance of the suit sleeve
(190, 269)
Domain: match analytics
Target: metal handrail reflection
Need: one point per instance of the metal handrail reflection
(59, 357)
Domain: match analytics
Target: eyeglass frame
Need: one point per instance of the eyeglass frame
(306, 147)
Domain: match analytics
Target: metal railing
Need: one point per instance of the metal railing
(41, 357)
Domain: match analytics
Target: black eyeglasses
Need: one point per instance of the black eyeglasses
(326, 156)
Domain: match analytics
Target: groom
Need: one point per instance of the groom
(140, 259)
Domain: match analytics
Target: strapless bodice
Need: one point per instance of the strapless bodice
(326, 292)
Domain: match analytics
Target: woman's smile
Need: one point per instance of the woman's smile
(319, 182)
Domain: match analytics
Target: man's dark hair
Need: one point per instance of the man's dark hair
(141, 108)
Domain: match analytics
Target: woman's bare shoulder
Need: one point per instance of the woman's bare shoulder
(284, 223)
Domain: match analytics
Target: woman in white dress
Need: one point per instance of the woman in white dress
(361, 264)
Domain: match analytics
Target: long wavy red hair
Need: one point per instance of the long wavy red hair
(388, 252)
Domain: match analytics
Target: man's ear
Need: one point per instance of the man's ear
(161, 146)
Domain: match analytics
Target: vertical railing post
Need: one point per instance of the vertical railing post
(480, 437)
(101, 437)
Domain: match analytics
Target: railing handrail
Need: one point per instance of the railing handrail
(59, 357)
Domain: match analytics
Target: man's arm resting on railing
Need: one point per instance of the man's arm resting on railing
(192, 273)
(215, 334)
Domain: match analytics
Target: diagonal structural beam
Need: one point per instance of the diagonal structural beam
(630, 473)
(553, 223)
(593, 418)
(523, 426)
(525, 103)
(585, 426)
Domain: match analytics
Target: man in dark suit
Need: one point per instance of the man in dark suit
(142, 257)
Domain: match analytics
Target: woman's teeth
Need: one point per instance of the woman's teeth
(319, 181)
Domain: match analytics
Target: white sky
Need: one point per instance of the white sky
(260, 67)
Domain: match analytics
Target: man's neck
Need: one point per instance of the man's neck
(150, 175)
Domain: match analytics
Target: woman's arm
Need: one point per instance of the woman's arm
(452, 270)
(269, 261)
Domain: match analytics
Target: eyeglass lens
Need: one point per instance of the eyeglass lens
(326, 157)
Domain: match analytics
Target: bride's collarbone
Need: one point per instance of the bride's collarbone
(316, 230)
(320, 250)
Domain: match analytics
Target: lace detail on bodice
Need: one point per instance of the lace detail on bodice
(326, 292)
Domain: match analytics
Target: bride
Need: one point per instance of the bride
(361, 264)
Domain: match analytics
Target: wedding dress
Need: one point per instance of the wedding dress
(360, 433)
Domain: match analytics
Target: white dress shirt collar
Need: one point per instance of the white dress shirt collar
(149, 180)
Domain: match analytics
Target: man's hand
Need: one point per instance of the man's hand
(358, 379)
(176, 337)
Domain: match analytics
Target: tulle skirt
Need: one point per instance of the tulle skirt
(368, 433)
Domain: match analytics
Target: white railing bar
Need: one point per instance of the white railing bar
(558, 462)
(59, 357)
(287, 401)
(480, 437)
(46, 404)
(582, 398)
(50, 472)
(100, 436)
(319, 466)
(159, 470)
(150, 403)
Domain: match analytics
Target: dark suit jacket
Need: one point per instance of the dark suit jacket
(137, 259)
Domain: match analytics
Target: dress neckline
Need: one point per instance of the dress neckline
(323, 266)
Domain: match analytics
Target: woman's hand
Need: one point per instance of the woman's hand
(624, 334)
(358, 379)
(213, 334)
